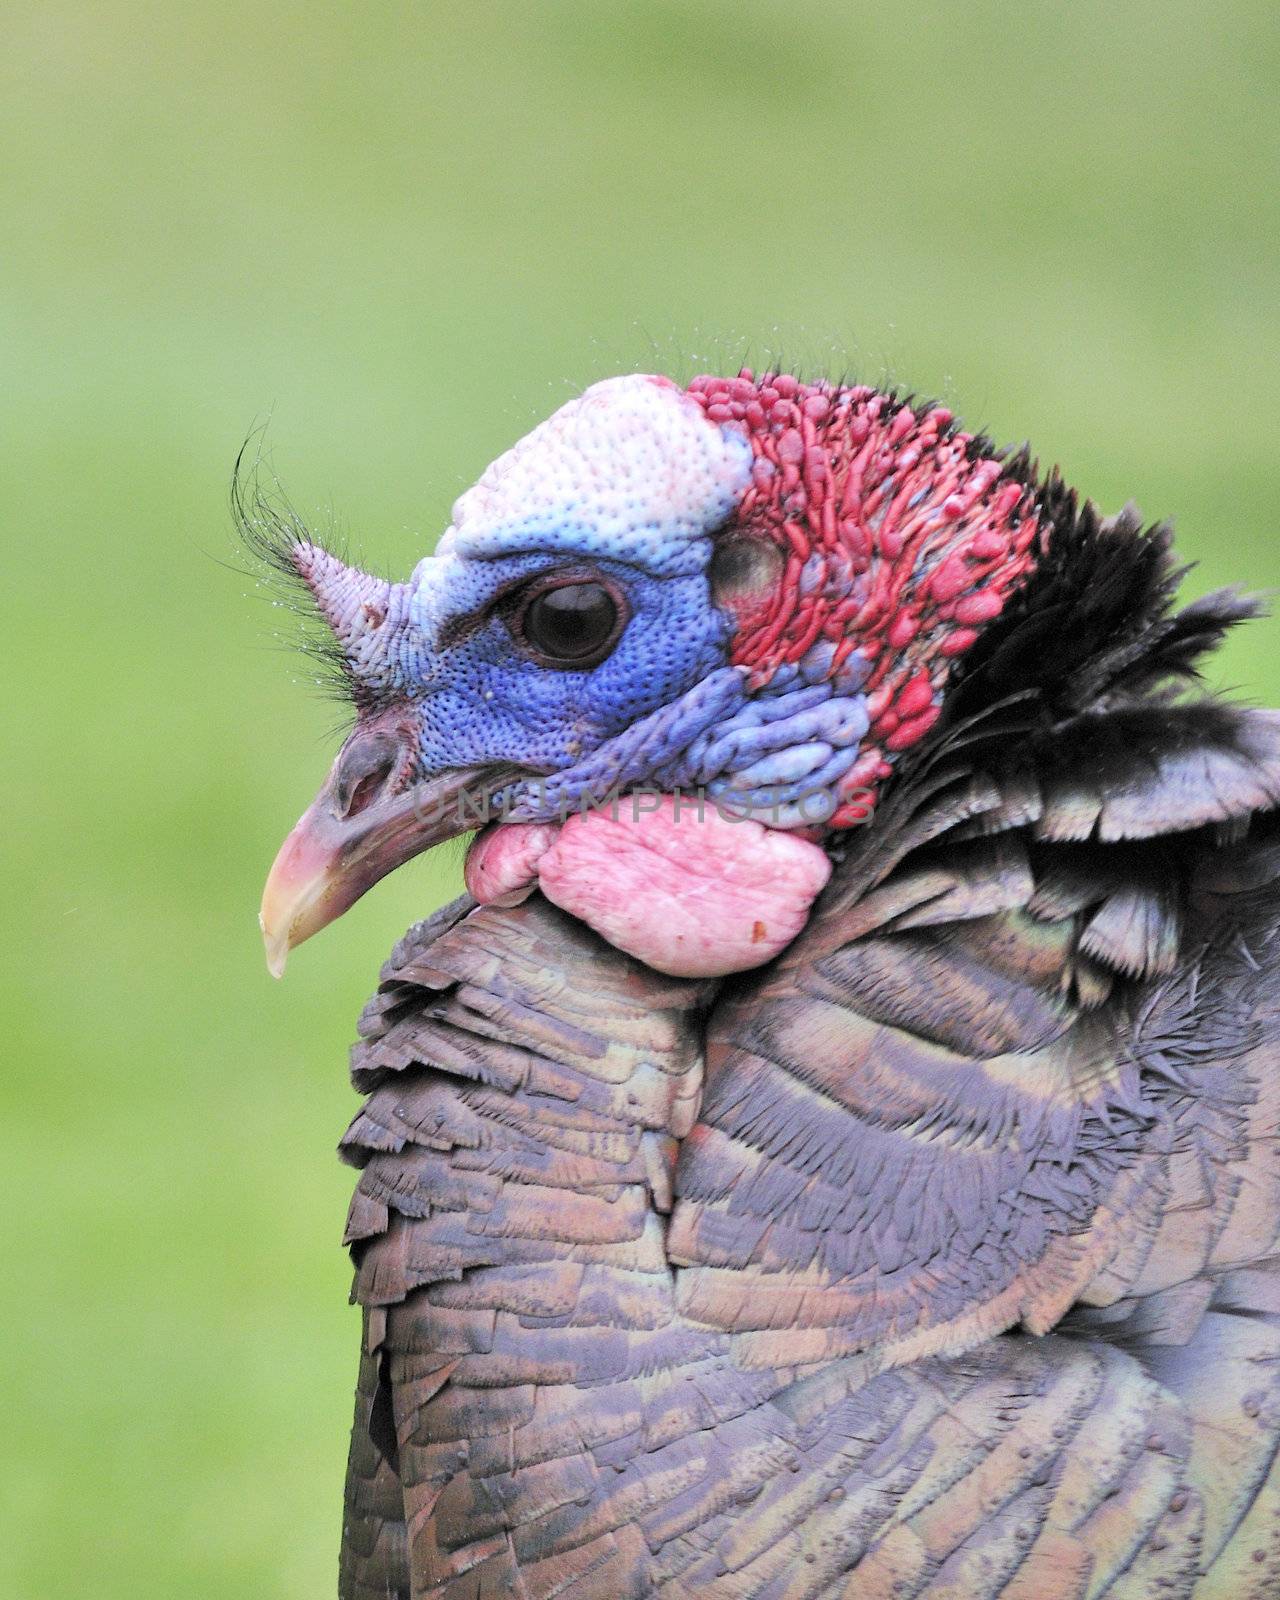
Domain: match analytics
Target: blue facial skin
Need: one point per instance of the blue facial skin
(663, 711)
(484, 698)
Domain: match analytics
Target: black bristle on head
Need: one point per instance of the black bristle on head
(271, 530)
(1094, 623)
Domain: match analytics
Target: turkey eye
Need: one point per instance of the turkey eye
(573, 625)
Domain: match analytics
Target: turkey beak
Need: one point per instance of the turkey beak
(364, 823)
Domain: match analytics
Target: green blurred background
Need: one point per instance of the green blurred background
(405, 232)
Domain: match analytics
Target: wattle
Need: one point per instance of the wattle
(683, 887)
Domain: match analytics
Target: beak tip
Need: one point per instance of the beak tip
(277, 949)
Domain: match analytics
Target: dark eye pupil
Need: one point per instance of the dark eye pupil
(572, 623)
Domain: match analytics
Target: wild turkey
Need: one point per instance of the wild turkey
(859, 1175)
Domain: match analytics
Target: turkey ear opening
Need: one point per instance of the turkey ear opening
(743, 572)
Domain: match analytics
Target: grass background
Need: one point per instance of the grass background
(405, 232)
